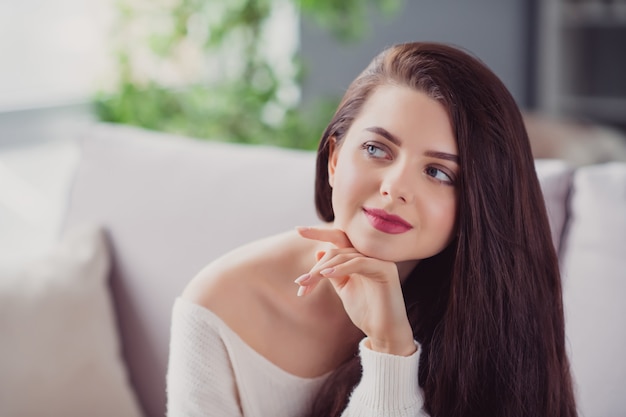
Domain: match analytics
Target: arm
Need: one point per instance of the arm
(388, 386)
(200, 379)
(371, 294)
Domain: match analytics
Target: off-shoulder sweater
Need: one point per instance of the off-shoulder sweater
(213, 372)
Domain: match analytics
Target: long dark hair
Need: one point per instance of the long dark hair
(487, 310)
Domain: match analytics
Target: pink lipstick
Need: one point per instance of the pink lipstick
(386, 222)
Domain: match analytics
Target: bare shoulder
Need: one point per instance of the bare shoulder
(243, 274)
(251, 289)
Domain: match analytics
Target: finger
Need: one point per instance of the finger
(335, 236)
(305, 289)
(331, 257)
(331, 252)
(322, 257)
(330, 262)
(373, 269)
(304, 278)
(327, 260)
(308, 285)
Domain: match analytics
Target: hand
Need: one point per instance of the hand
(369, 289)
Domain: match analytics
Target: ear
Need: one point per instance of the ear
(333, 154)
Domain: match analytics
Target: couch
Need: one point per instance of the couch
(148, 210)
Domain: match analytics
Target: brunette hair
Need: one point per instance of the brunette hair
(487, 311)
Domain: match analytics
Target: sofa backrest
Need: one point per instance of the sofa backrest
(170, 205)
(593, 270)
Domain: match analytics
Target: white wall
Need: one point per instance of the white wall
(52, 52)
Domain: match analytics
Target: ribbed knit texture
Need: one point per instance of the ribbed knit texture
(388, 387)
(213, 372)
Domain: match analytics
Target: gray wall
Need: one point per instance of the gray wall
(496, 31)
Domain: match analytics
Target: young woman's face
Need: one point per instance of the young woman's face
(393, 177)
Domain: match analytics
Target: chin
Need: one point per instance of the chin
(392, 252)
(379, 250)
(373, 244)
(378, 254)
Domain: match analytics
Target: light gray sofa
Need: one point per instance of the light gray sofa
(169, 205)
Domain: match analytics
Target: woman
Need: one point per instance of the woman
(432, 288)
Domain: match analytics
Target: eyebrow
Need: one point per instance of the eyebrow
(443, 155)
(393, 139)
(386, 134)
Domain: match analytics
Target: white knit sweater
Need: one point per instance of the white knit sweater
(213, 372)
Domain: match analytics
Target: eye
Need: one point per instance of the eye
(439, 175)
(375, 151)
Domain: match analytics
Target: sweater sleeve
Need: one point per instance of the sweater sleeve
(388, 386)
(200, 378)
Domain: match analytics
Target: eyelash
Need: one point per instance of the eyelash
(448, 181)
(370, 148)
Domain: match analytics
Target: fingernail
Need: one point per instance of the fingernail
(302, 228)
(301, 291)
(327, 271)
(302, 278)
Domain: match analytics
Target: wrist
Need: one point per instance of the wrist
(399, 346)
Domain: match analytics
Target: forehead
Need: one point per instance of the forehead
(409, 114)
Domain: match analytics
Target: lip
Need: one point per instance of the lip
(386, 222)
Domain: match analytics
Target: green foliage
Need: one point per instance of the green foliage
(345, 20)
(236, 91)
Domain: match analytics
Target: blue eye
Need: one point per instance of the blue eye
(375, 151)
(439, 175)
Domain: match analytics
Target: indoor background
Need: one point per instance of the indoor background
(69, 63)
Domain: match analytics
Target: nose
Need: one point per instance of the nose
(399, 183)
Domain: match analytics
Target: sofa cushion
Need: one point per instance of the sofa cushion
(594, 280)
(555, 177)
(170, 205)
(60, 353)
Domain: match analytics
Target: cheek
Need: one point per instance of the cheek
(349, 191)
(345, 169)
(443, 215)
(349, 184)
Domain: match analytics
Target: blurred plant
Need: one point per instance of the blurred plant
(207, 68)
